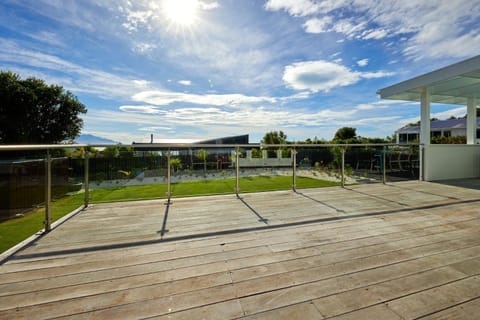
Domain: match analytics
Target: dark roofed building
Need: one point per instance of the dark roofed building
(242, 139)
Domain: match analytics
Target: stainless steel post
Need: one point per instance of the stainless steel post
(48, 192)
(86, 179)
(343, 167)
(422, 162)
(384, 165)
(169, 177)
(294, 169)
(237, 171)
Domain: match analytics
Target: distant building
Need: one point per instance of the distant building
(438, 128)
(213, 153)
(241, 139)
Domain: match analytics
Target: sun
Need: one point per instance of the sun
(183, 13)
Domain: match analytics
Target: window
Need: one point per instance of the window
(436, 133)
(447, 133)
(412, 137)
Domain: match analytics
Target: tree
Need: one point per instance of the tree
(118, 151)
(274, 137)
(111, 152)
(176, 164)
(202, 154)
(33, 112)
(344, 134)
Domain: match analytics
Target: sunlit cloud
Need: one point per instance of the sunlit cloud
(155, 128)
(74, 77)
(431, 28)
(162, 98)
(141, 109)
(362, 63)
(322, 75)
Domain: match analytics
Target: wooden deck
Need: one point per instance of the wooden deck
(403, 250)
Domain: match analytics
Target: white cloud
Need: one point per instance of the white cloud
(374, 34)
(209, 5)
(318, 76)
(246, 117)
(374, 105)
(162, 98)
(378, 74)
(362, 63)
(456, 112)
(348, 27)
(434, 28)
(141, 109)
(370, 121)
(73, 77)
(185, 82)
(156, 128)
(322, 75)
(293, 7)
(365, 107)
(143, 48)
(47, 38)
(318, 25)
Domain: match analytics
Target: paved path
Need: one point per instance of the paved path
(403, 250)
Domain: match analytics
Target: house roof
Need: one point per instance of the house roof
(450, 85)
(240, 139)
(440, 125)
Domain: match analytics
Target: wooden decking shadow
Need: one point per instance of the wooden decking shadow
(241, 230)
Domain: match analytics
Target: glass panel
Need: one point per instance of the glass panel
(316, 167)
(264, 169)
(402, 163)
(363, 164)
(22, 193)
(202, 171)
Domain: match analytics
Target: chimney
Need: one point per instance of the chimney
(151, 138)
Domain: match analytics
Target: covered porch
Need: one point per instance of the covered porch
(457, 84)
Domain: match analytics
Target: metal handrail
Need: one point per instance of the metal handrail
(294, 147)
(194, 145)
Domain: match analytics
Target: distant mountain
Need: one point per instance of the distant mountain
(91, 139)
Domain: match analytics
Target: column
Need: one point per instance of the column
(424, 132)
(471, 120)
(425, 117)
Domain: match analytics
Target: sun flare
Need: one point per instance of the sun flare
(181, 12)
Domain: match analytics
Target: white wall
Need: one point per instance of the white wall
(458, 132)
(265, 162)
(451, 161)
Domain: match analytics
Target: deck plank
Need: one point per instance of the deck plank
(395, 251)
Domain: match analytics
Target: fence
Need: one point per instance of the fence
(166, 166)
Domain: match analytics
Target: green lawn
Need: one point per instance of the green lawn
(16, 230)
(206, 187)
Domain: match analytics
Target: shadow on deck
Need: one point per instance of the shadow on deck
(400, 251)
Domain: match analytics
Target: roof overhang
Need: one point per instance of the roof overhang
(450, 85)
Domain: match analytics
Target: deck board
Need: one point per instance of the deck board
(397, 251)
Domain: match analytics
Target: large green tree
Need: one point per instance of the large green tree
(274, 137)
(33, 112)
(345, 134)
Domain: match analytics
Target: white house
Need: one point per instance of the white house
(456, 84)
(438, 128)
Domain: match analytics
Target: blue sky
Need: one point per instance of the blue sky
(197, 69)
